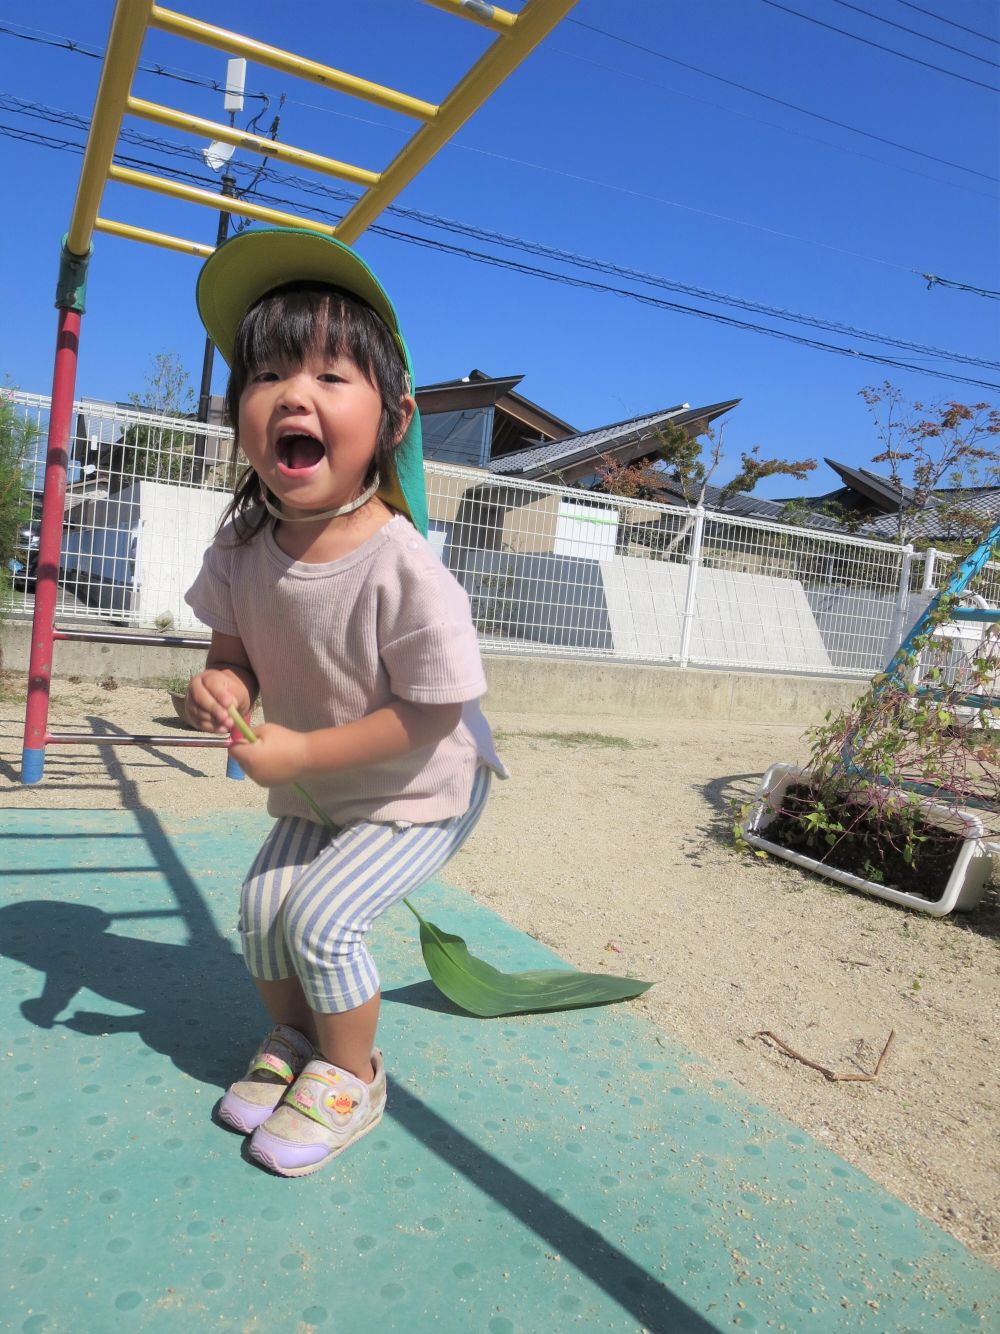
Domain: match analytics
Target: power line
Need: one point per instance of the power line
(96, 53)
(779, 101)
(951, 22)
(569, 280)
(878, 46)
(902, 27)
(649, 279)
(68, 44)
(934, 281)
(453, 226)
(644, 298)
(548, 275)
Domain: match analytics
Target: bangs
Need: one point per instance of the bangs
(291, 322)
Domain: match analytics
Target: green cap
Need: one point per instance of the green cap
(247, 266)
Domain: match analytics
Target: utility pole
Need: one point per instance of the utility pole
(205, 392)
(218, 157)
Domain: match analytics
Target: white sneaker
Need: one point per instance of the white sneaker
(321, 1115)
(252, 1099)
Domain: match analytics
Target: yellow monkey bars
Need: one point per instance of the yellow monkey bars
(517, 35)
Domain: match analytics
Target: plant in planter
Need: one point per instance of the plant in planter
(901, 791)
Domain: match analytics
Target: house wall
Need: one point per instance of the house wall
(532, 527)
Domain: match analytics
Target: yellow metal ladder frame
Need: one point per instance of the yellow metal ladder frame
(516, 36)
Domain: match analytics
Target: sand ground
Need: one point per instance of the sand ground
(611, 845)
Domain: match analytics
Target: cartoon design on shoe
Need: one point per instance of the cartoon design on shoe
(278, 1060)
(324, 1112)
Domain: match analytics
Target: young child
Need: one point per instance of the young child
(325, 600)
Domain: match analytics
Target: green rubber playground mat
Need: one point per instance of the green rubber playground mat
(547, 1173)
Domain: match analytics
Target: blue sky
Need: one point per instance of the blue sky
(601, 145)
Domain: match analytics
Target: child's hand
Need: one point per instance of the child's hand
(278, 756)
(209, 695)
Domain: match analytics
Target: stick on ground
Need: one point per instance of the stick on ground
(824, 1070)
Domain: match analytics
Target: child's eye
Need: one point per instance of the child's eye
(263, 377)
(330, 377)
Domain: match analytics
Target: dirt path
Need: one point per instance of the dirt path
(612, 847)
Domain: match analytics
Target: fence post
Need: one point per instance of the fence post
(927, 586)
(694, 562)
(899, 625)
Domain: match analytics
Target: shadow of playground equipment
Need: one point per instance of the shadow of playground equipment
(190, 1002)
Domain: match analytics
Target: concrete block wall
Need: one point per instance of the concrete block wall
(517, 684)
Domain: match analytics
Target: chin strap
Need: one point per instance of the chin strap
(351, 505)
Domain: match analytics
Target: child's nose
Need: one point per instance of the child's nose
(293, 392)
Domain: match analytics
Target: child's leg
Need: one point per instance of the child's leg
(363, 872)
(288, 851)
(281, 1056)
(285, 1002)
(351, 1035)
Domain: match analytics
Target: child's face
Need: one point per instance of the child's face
(309, 431)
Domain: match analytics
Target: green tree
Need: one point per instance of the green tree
(689, 457)
(936, 454)
(158, 453)
(18, 435)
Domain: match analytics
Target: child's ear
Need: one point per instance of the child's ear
(408, 406)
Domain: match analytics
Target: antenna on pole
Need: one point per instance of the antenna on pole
(217, 157)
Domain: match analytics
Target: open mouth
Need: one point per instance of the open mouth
(298, 453)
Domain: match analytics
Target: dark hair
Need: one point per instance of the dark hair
(286, 324)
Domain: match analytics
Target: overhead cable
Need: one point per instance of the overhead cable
(934, 281)
(915, 33)
(890, 50)
(67, 44)
(97, 53)
(951, 22)
(325, 190)
(779, 101)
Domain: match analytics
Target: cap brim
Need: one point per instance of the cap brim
(247, 266)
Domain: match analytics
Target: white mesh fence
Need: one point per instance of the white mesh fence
(143, 497)
(561, 571)
(549, 570)
(956, 645)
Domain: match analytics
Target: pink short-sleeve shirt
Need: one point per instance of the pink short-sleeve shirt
(332, 643)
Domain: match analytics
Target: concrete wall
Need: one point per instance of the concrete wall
(541, 686)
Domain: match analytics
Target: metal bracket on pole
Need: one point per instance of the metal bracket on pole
(71, 285)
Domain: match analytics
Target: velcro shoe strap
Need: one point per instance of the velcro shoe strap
(332, 1110)
(275, 1065)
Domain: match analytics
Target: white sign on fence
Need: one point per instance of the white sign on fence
(586, 531)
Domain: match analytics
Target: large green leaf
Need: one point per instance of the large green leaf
(483, 990)
(478, 987)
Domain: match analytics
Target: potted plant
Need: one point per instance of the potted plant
(900, 794)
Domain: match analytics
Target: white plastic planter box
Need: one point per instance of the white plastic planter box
(966, 884)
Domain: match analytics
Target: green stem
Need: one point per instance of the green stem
(248, 734)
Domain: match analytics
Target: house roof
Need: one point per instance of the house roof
(547, 458)
(879, 490)
(452, 395)
(939, 520)
(522, 417)
(745, 505)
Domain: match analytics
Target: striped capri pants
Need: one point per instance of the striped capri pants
(313, 893)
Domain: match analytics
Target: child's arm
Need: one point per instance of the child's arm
(228, 678)
(283, 756)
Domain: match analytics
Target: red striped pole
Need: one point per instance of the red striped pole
(36, 717)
